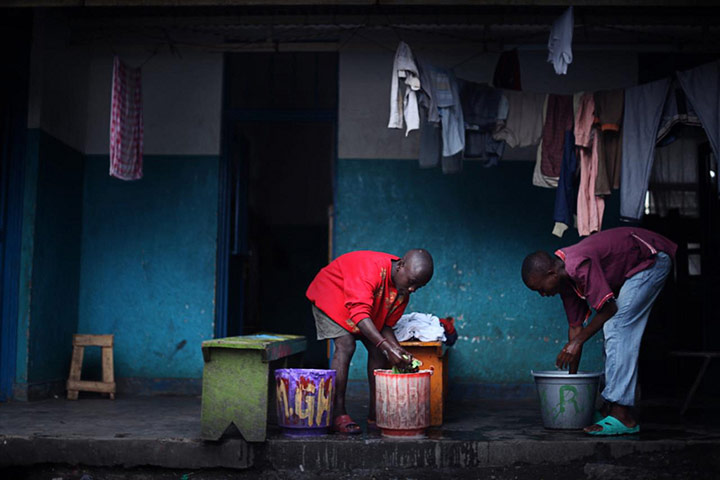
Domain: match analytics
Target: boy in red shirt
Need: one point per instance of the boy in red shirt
(360, 296)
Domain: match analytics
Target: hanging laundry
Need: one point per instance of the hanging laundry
(450, 108)
(702, 87)
(503, 109)
(676, 111)
(126, 122)
(609, 111)
(677, 164)
(566, 194)
(426, 100)
(642, 111)
(403, 98)
(560, 42)
(442, 101)
(430, 132)
(430, 144)
(524, 123)
(590, 208)
(540, 180)
(559, 119)
(480, 105)
(507, 71)
(421, 326)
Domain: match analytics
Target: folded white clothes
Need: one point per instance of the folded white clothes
(424, 327)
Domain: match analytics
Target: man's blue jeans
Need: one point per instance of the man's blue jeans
(623, 332)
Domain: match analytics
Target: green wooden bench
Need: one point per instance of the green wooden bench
(236, 381)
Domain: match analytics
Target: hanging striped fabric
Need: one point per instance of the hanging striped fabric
(126, 123)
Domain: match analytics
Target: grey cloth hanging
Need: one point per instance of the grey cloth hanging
(643, 108)
(702, 87)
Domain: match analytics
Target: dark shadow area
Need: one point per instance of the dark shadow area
(282, 155)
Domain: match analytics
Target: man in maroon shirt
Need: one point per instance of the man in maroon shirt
(619, 274)
(360, 296)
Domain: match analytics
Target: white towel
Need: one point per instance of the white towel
(403, 101)
(422, 326)
(560, 42)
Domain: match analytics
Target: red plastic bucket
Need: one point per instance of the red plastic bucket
(402, 403)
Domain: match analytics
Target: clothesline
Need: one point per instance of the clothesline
(609, 136)
(489, 44)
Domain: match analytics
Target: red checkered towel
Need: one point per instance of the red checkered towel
(126, 123)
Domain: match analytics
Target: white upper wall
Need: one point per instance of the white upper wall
(182, 94)
(365, 74)
(70, 92)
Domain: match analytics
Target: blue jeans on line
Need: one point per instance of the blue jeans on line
(624, 331)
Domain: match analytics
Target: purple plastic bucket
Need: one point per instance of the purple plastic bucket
(304, 400)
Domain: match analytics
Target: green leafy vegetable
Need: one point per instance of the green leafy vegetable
(413, 368)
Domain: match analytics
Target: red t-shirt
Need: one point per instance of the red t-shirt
(356, 286)
(599, 265)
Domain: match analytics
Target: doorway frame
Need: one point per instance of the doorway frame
(230, 118)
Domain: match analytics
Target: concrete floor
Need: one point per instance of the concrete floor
(501, 438)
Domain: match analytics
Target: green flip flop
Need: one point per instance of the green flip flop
(612, 426)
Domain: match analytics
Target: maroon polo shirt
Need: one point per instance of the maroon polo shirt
(599, 265)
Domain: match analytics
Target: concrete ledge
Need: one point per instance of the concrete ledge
(344, 454)
(163, 433)
(122, 452)
(349, 454)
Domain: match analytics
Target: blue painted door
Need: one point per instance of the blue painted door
(15, 40)
(5, 363)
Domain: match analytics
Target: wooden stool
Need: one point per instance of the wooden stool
(74, 384)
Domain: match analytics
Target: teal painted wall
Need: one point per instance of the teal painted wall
(50, 263)
(478, 225)
(148, 263)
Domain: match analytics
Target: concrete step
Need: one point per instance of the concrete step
(341, 453)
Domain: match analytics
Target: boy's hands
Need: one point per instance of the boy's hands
(397, 355)
(569, 356)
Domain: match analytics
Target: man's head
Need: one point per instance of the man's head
(543, 273)
(412, 271)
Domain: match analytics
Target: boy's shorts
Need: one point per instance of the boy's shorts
(326, 326)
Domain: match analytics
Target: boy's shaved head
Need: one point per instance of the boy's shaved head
(420, 263)
(536, 265)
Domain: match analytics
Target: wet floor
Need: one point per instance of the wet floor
(153, 424)
(179, 417)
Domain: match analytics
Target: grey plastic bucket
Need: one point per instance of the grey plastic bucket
(566, 401)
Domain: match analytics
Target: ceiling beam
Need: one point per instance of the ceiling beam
(374, 3)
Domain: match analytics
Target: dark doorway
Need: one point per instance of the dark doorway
(683, 205)
(280, 128)
(15, 41)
